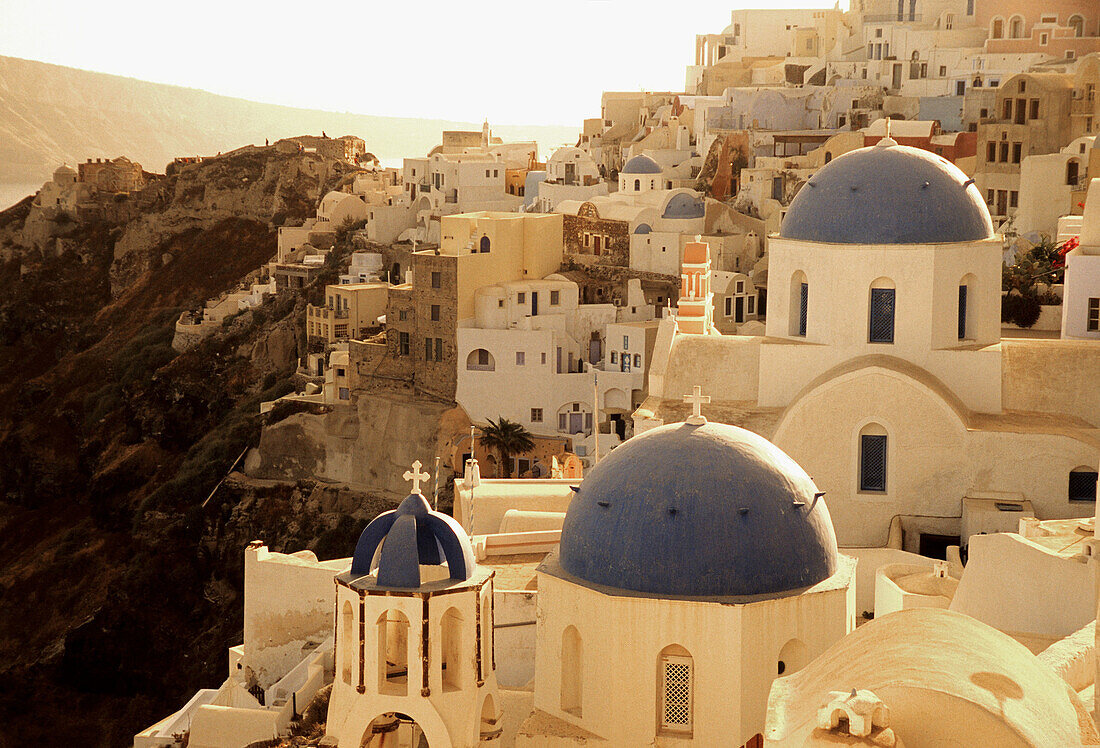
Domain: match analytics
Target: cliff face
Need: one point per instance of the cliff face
(52, 114)
(119, 588)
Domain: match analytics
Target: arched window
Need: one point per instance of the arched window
(450, 629)
(349, 638)
(792, 657)
(880, 325)
(572, 671)
(484, 244)
(828, 156)
(1082, 484)
(480, 360)
(637, 185)
(997, 28)
(393, 652)
(873, 448)
(1077, 23)
(1016, 27)
(675, 682)
(800, 301)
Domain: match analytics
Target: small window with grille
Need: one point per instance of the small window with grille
(882, 316)
(1082, 485)
(676, 677)
(803, 304)
(872, 462)
(1093, 321)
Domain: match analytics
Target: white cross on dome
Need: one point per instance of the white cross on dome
(415, 476)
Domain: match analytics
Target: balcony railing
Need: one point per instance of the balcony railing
(892, 18)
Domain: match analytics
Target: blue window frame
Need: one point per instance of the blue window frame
(872, 462)
(882, 316)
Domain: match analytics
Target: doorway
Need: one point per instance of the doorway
(739, 309)
(935, 546)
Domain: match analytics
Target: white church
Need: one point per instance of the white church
(882, 369)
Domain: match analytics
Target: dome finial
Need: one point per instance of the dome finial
(697, 399)
(415, 476)
(887, 141)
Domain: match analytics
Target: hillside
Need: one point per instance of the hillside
(120, 584)
(51, 115)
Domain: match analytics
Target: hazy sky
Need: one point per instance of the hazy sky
(510, 61)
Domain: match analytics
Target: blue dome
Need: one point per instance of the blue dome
(888, 194)
(641, 165)
(684, 205)
(410, 536)
(699, 510)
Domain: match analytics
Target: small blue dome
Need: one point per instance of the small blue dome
(641, 165)
(683, 205)
(410, 536)
(888, 194)
(699, 510)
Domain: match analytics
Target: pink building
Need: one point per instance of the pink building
(1059, 28)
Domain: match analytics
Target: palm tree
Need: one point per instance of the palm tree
(507, 438)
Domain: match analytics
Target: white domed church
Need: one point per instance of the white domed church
(882, 369)
(697, 563)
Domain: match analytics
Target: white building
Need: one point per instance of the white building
(1047, 184)
(533, 364)
(1081, 292)
(571, 174)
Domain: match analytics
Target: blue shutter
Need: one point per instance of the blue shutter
(803, 303)
(962, 312)
(882, 315)
(872, 462)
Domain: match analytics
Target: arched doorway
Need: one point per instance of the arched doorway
(394, 730)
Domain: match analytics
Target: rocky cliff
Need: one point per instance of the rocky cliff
(121, 569)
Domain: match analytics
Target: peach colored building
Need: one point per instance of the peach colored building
(1060, 28)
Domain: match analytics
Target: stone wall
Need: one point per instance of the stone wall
(618, 253)
(435, 374)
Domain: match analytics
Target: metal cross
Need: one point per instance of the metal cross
(416, 476)
(697, 399)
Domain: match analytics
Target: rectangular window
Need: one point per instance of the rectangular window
(872, 462)
(1082, 485)
(435, 312)
(990, 196)
(437, 279)
(676, 693)
(563, 421)
(626, 342)
(962, 312)
(340, 372)
(439, 349)
(637, 360)
(740, 286)
(614, 357)
(345, 394)
(881, 326)
(729, 305)
(1004, 153)
(1094, 315)
(403, 315)
(1033, 113)
(803, 303)
(1013, 199)
(991, 152)
(1007, 111)
(1017, 152)
(427, 349)
(521, 358)
(521, 297)
(544, 359)
(555, 298)
(751, 305)
(403, 343)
